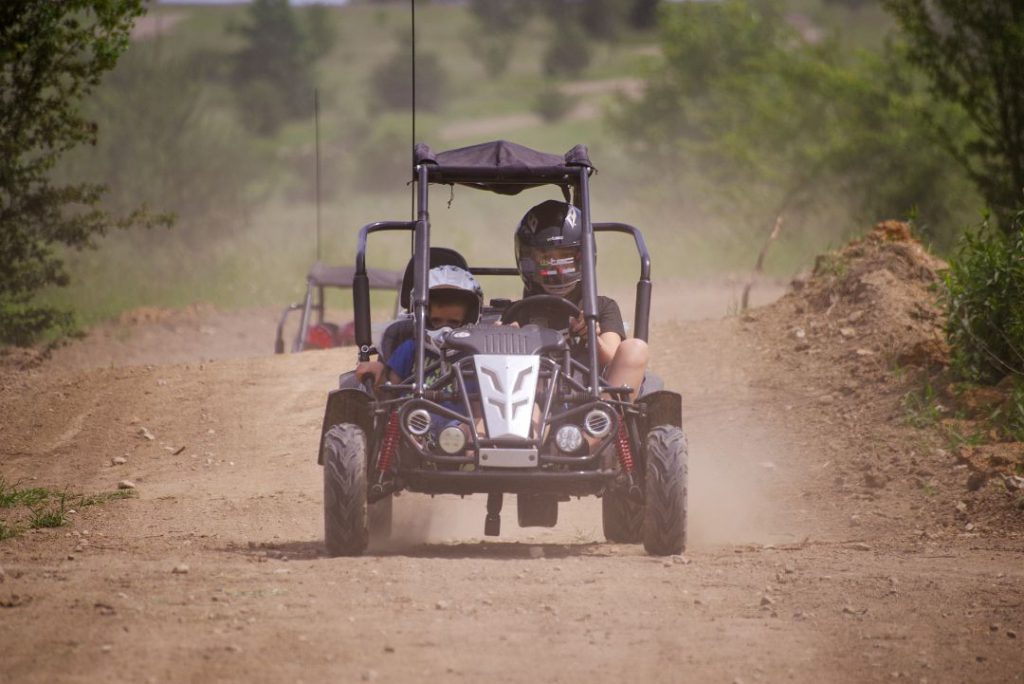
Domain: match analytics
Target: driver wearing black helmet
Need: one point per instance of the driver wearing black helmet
(549, 255)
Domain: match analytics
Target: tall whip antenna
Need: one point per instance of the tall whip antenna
(316, 129)
(412, 148)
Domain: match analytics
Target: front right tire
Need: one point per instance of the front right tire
(345, 513)
(665, 491)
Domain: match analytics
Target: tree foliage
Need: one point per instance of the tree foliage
(52, 55)
(391, 81)
(273, 71)
(568, 52)
(758, 122)
(985, 288)
(972, 52)
(496, 27)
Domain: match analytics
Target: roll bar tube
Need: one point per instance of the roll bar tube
(589, 281)
(361, 284)
(421, 273)
(642, 309)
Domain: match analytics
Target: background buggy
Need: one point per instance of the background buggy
(314, 332)
(537, 400)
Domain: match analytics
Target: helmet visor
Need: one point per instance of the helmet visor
(555, 270)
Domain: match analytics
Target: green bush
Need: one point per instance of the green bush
(391, 81)
(568, 53)
(985, 293)
(551, 104)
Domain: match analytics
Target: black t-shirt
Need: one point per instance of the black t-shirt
(609, 318)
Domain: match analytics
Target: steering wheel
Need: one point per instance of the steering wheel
(551, 307)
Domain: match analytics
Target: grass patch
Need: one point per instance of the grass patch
(105, 497)
(39, 508)
(955, 438)
(11, 496)
(922, 408)
(53, 515)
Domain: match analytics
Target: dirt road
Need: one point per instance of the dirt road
(216, 572)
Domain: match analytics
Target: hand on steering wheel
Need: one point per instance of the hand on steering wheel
(549, 307)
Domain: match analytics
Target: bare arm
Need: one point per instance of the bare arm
(607, 342)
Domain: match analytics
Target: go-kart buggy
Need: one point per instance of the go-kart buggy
(534, 398)
(314, 331)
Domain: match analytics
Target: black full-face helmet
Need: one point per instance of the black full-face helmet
(549, 248)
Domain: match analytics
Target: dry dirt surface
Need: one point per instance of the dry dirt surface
(829, 541)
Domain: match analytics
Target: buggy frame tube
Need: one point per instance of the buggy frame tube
(361, 284)
(589, 281)
(642, 308)
(421, 268)
(307, 305)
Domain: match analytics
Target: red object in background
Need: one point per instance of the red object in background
(329, 335)
(346, 335)
(321, 336)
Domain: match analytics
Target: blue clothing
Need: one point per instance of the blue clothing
(402, 359)
(401, 363)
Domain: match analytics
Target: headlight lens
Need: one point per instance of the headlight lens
(452, 440)
(569, 438)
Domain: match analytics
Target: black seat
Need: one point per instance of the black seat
(397, 332)
(401, 330)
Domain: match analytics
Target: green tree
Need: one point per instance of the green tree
(568, 53)
(391, 81)
(758, 123)
(972, 52)
(273, 71)
(52, 55)
(497, 25)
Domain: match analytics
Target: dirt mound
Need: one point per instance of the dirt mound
(876, 296)
(862, 336)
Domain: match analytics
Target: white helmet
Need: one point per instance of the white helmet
(460, 285)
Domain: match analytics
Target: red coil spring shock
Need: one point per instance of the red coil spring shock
(389, 444)
(625, 450)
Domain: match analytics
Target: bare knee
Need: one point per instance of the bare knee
(632, 353)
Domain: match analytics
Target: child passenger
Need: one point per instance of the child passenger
(455, 300)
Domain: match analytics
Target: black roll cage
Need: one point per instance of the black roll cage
(571, 176)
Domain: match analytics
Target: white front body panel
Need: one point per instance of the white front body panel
(508, 386)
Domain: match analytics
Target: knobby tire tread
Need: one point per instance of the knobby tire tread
(345, 512)
(664, 528)
(621, 519)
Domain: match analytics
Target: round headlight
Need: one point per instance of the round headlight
(598, 423)
(451, 440)
(418, 421)
(569, 438)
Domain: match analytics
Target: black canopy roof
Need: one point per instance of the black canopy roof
(503, 167)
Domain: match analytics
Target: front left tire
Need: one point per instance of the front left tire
(346, 531)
